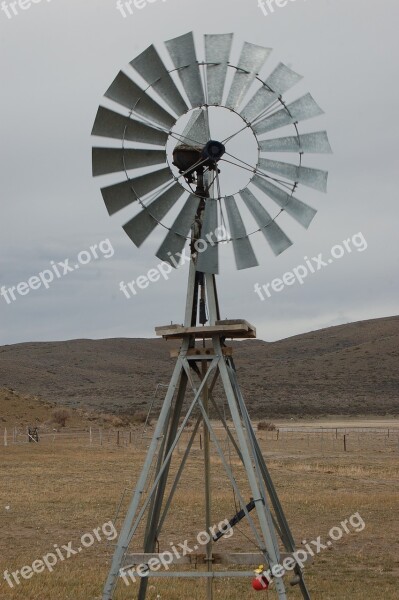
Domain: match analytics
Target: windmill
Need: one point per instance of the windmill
(174, 170)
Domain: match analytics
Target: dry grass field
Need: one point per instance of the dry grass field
(73, 481)
(53, 492)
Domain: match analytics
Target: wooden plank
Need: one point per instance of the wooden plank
(203, 330)
(234, 322)
(237, 328)
(228, 351)
(206, 335)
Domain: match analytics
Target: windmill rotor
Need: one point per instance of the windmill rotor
(189, 92)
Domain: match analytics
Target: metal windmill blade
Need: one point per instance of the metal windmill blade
(217, 54)
(185, 164)
(127, 93)
(300, 110)
(150, 66)
(274, 235)
(243, 251)
(182, 52)
(251, 61)
(110, 124)
(281, 80)
(314, 178)
(308, 143)
(208, 259)
(143, 224)
(196, 132)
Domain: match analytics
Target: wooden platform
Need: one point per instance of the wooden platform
(237, 329)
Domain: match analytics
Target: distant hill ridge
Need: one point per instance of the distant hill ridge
(345, 370)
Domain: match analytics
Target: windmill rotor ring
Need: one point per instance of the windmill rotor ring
(174, 156)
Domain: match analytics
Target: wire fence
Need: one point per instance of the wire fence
(332, 439)
(91, 437)
(286, 438)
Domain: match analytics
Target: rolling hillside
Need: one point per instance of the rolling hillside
(345, 370)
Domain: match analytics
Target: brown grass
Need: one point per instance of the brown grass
(59, 490)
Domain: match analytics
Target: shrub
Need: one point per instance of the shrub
(140, 417)
(60, 416)
(266, 426)
(113, 420)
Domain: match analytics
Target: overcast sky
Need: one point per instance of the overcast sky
(57, 60)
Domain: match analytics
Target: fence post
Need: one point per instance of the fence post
(91, 437)
(130, 436)
(345, 442)
(278, 434)
(117, 438)
(5, 437)
(101, 436)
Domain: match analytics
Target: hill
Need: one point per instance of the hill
(346, 370)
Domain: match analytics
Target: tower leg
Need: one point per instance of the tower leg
(154, 513)
(133, 514)
(208, 491)
(285, 532)
(264, 516)
(122, 543)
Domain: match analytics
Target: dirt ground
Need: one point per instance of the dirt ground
(55, 492)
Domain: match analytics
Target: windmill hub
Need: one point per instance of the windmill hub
(201, 141)
(188, 157)
(194, 159)
(214, 151)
